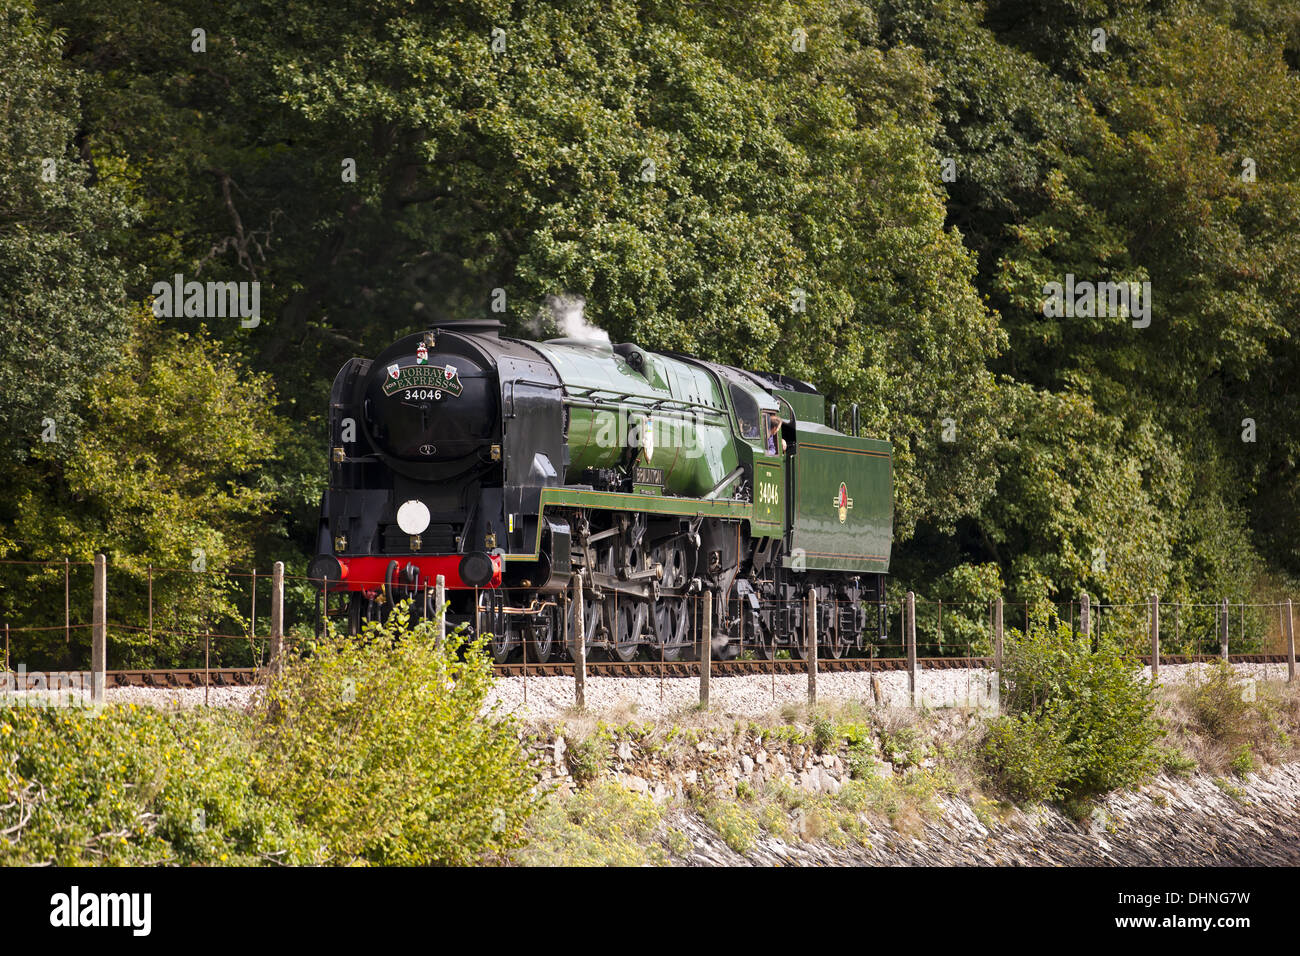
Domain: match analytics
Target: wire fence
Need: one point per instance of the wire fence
(162, 617)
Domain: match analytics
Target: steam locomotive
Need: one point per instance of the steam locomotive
(535, 477)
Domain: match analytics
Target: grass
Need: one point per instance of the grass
(604, 824)
(1224, 724)
(1219, 726)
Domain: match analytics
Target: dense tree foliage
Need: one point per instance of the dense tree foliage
(870, 195)
(61, 289)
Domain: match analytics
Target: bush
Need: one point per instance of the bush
(370, 751)
(1031, 753)
(1176, 763)
(604, 824)
(134, 786)
(1079, 722)
(738, 827)
(1233, 724)
(380, 746)
(824, 736)
(1219, 708)
(585, 759)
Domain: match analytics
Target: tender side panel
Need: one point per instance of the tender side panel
(807, 407)
(843, 502)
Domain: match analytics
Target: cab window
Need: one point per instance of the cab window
(746, 413)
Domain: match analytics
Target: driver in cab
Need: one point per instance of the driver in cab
(775, 443)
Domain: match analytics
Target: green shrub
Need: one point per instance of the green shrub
(854, 733)
(1032, 754)
(1218, 706)
(380, 745)
(1079, 722)
(371, 751)
(1243, 761)
(861, 759)
(904, 746)
(1231, 789)
(1175, 762)
(602, 825)
(135, 786)
(585, 759)
(824, 735)
(738, 827)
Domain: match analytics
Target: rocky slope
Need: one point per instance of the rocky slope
(1168, 823)
(1195, 821)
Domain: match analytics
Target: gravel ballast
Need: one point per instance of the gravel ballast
(650, 698)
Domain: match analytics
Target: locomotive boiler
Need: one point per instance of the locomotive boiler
(533, 476)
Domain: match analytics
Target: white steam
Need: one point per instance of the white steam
(566, 311)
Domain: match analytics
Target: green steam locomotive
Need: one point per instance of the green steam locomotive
(566, 481)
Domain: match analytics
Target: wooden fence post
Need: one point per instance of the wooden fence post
(810, 638)
(1290, 645)
(940, 628)
(99, 631)
(997, 635)
(439, 613)
(706, 650)
(1085, 617)
(1155, 638)
(1223, 631)
(277, 617)
(909, 618)
(580, 644)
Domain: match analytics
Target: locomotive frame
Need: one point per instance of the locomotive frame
(513, 468)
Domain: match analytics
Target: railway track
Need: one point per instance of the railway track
(188, 677)
(173, 678)
(825, 666)
(176, 678)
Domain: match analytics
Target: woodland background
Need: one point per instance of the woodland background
(796, 145)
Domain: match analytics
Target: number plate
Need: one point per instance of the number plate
(648, 476)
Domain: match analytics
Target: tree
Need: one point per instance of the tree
(165, 472)
(63, 311)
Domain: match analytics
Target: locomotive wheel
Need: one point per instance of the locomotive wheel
(491, 620)
(673, 613)
(361, 611)
(763, 640)
(630, 621)
(675, 619)
(541, 637)
(835, 643)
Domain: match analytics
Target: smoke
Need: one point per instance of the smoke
(566, 314)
